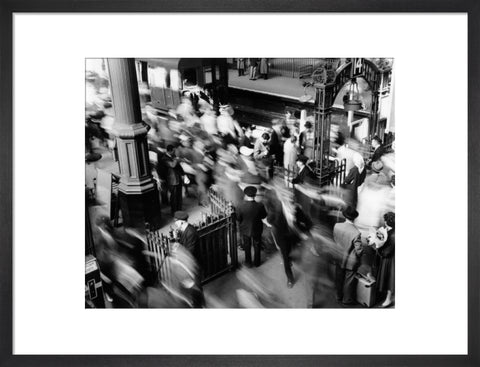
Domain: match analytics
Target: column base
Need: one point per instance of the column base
(138, 209)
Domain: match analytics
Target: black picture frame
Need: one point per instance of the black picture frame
(8, 8)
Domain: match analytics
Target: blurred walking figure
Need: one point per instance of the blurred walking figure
(227, 126)
(347, 237)
(290, 156)
(209, 121)
(184, 283)
(264, 68)
(250, 215)
(241, 67)
(280, 230)
(253, 68)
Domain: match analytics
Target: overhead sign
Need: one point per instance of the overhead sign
(357, 67)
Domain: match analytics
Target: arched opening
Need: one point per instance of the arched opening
(359, 129)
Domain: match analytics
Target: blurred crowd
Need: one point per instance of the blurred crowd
(333, 235)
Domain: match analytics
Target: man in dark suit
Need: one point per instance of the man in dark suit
(250, 215)
(188, 236)
(304, 172)
(174, 178)
(379, 150)
(347, 237)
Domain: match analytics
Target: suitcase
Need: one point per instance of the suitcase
(366, 294)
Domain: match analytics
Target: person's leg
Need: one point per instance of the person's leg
(388, 299)
(349, 287)
(339, 281)
(172, 192)
(247, 246)
(282, 244)
(257, 241)
(179, 197)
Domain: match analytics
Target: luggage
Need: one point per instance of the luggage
(366, 294)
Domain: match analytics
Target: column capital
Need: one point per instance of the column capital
(130, 131)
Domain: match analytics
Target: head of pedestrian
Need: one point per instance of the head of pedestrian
(302, 161)
(376, 141)
(181, 218)
(250, 192)
(265, 138)
(350, 213)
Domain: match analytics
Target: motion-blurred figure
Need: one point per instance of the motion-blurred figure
(264, 68)
(280, 230)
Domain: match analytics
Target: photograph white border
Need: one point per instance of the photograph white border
(430, 58)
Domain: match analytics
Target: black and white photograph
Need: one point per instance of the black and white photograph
(248, 182)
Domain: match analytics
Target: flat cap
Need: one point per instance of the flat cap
(180, 215)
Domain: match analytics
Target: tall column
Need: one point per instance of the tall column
(323, 111)
(138, 194)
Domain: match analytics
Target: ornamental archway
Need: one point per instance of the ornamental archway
(328, 83)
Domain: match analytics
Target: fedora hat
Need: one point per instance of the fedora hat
(350, 213)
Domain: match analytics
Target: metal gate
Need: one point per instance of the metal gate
(334, 174)
(217, 240)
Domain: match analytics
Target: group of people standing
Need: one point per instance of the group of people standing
(366, 239)
(256, 67)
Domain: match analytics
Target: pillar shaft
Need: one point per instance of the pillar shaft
(126, 100)
(130, 131)
(138, 195)
(323, 110)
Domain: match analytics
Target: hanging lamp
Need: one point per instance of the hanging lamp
(354, 102)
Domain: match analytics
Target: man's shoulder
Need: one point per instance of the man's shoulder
(345, 226)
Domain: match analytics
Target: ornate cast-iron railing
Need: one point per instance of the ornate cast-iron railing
(217, 241)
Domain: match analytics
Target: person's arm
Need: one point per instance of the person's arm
(172, 163)
(300, 141)
(357, 246)
(263, 212)
(350, 177)
(257, 154)
(239, 215)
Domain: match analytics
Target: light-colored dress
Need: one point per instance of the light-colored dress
(289, 154)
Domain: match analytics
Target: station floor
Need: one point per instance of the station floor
(268, 281)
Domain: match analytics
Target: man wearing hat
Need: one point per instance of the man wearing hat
(304, 171)
(188, 236)
(378, 176)
(379, 149)
(347, 237)
(306, 140)
(250, 215)
(174, 178)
